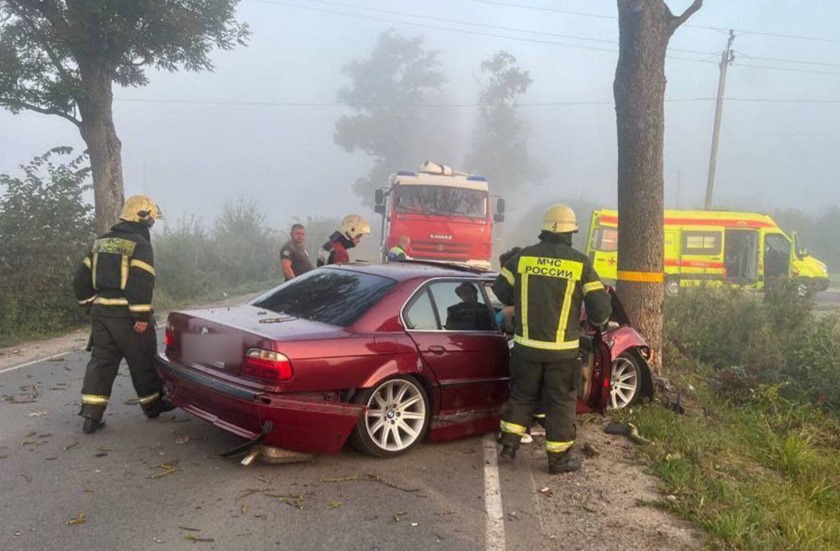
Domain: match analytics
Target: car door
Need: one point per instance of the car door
(459, 341)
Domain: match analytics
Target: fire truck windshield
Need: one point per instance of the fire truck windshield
(441, 200)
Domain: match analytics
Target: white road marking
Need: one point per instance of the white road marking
(48, 358)
(495, 526)
(33, 362)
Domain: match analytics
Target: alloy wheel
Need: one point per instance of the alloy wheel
(396, 415)
(624, 382)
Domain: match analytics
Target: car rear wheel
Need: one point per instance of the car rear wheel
(396, 419)
(625, 381)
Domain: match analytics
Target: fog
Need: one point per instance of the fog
(261, 126)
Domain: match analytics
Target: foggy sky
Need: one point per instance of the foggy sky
(194, 157)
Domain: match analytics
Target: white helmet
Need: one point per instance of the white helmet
(354, 226)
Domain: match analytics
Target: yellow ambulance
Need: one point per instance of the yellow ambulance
(739, 248)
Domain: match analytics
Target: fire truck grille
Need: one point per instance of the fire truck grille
(436, 250)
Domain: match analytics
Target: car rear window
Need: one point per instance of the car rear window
(327, 295)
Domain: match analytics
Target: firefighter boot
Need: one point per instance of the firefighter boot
(92, 425)
(161, 405)
(510, 443)
(562, 462)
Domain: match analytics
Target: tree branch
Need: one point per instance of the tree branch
(680, 19)
(45, 43)
(17, 104)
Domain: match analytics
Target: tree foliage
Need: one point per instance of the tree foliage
(61, 57)
(45, 225)
(816, 232)
(388, 92)
(500, 142)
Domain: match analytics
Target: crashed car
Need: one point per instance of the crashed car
(381, 355)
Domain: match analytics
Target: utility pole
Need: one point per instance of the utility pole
(726, 59)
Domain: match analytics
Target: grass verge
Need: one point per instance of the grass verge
(764, 475)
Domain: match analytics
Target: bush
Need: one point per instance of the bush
(750, 342)
(45, 225)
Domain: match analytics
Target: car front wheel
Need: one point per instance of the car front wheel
(396, 419)
(625, 381)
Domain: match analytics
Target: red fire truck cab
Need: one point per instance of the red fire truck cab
(446, 213)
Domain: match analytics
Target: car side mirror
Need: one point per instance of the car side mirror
(379, 197)
(498, 217)
(500, 206)
(379, 209)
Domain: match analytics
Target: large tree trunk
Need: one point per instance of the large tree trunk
(645, 27)
(104, 147)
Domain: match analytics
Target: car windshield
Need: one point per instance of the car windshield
(327, 295)
(441, 200)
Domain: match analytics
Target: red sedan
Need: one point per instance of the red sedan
(383, 355)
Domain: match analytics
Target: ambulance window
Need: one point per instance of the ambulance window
(697, 242)
(606, 239)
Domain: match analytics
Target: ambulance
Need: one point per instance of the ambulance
(745, 249)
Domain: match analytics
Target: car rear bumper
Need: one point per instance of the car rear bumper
(300, 422)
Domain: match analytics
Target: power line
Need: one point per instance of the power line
(707, 27)
(485, 25)
(780, 60)
(520, 39)
(460, 105)
(459, 31)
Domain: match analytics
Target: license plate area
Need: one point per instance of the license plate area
(213, 349)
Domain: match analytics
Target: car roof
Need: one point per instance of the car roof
(402, 271)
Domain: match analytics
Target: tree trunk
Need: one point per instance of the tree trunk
(104, 147)
(645, 27)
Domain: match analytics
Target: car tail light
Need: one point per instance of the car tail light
(169, 335)
(266, 365)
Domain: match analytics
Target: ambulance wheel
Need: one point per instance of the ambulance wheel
(672, 286)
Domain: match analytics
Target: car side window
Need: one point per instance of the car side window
(461, 306)
(420, 314)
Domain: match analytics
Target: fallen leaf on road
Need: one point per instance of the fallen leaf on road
(335, 504)
(77, 520)
(188, 529)
(415, 524)
(546, 491)
(168, 468)
(70, 446)
(36, 414)
(182, 440)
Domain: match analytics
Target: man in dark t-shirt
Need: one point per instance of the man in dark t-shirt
(294, 260)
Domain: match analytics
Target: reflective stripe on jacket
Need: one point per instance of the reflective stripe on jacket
(547, 284)
(117, 277)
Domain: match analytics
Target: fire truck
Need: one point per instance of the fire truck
(445, 212)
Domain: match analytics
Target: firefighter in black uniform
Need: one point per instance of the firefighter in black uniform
(547, 283)
(115, 281)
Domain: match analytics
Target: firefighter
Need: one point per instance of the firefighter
(115, 283)
(336, 249)
(399, 252)
(547, 283)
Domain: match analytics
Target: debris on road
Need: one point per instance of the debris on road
(546, 491)
(591, 451)
(335, 505)
(371, 478)
(168, 468)
(70, 446)
(182, 440)
(36, 414)
(295, 501)
(80, 519)
(190, 537)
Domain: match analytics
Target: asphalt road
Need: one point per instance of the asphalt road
(161, 484)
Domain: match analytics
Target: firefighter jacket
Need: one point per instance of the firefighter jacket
(117, 277)
(335, 250)
(547, 283)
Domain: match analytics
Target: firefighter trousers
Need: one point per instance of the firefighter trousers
(558, 383)
(113, 339)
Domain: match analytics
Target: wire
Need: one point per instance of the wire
(739, 52)
(460, 31)
(711, 28)
(484, 25)
(462, 105)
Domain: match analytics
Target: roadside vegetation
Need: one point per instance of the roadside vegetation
(755, 459)
(46, 226)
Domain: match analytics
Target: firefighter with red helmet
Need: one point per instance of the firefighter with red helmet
(115, 282)
(336, 249)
